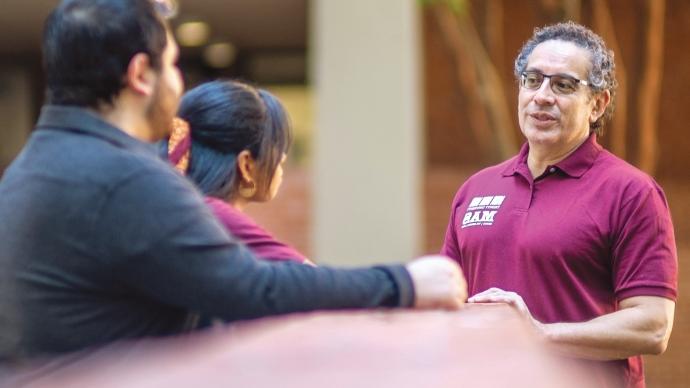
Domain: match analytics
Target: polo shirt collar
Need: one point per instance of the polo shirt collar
(519, 160)
(575, 165)
(88, 122)
(580, 161)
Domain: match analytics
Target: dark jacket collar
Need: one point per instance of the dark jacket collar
(88, 122)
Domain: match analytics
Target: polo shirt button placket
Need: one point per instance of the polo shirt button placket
(532, 190)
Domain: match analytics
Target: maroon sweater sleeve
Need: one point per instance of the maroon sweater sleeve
(259, 241)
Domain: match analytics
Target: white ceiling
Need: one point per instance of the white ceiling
(255, 24)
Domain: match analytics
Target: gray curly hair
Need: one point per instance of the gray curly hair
(602, 75)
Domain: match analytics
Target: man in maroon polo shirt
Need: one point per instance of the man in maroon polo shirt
(576, 239)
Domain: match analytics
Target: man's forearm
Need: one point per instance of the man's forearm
(642, 326)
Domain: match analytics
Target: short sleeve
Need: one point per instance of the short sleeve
(645, 261)
(450, 246)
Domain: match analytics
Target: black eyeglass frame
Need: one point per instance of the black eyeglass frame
(553, 81)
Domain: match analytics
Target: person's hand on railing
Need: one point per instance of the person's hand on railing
(438, 283)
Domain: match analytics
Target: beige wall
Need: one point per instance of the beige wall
(368, 140)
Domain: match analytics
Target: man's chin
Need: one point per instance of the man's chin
(542, 135)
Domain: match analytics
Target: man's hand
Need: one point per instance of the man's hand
(497, 295)
(438, 283)
(641, 325)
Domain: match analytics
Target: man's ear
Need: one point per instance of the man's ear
(246, 166)
(601, 101)
(140, 77)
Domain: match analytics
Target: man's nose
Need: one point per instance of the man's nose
(544, 95)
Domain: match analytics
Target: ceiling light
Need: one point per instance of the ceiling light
(193, 34)
(220, 55)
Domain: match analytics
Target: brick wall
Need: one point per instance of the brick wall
(288, 216)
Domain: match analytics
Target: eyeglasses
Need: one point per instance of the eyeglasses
(560, 83)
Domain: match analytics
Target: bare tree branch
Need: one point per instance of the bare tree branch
(466, 76)
(493, 30)
(604, 25)
(648, 99)
(491, 88)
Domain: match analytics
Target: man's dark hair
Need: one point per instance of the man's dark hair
(602, 75)
(88, 44)
(226, 118)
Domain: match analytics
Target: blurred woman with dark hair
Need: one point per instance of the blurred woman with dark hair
(231, 140)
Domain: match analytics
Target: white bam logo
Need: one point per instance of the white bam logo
(482, 211)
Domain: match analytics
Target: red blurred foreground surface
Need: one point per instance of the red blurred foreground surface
(479, 346)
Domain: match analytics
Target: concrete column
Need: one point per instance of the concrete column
(368, 137)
